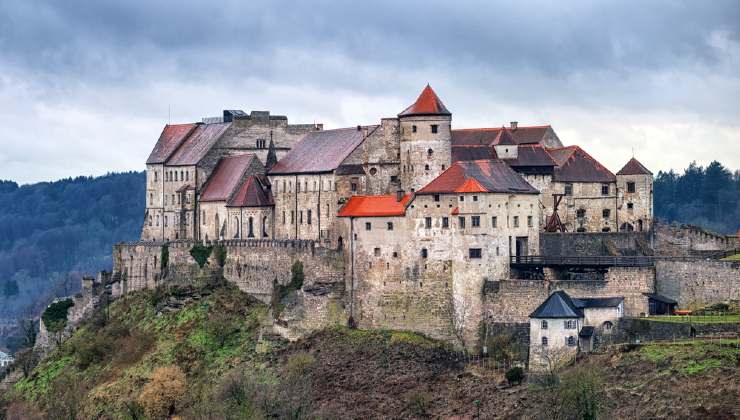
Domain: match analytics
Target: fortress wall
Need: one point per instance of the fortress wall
(588, 244)
(698, 283)
(675, 239)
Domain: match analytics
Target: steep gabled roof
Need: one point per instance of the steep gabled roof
(557, 305)
(321, 151)
(492, 176)
(490, 136)
(505, 138)
(225, 178)
(198, 144)
(634, 167)
(428, 103)
(255, 191)
(172, 136)
(575, 165)
(375, 206)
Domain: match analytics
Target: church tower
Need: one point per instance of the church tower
(426, 140)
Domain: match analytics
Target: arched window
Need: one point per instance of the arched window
(236, 225)
(157, 220)
(544, 341)
(544, 324)
(264, 227)
(187, 175)
(150, 220)
(639, 225)
(250, 228)
(182, 177)
(426, 167)
(430, 152)
(608, 325)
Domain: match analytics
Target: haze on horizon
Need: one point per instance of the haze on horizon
(85, 87)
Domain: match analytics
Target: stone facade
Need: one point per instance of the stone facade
(635, 208)
(681, 239)
(698, 283)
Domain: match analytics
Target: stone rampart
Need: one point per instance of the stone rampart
(591, 244)
(679, 239)
(695, 284)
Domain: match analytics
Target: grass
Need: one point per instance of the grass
(735, 257)
(692, 356)
(696, 319)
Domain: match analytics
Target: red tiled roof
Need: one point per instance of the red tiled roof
(472, 153)
(197, 144)
(254, 192)
(575, 165)
(321, 151)
(490, 136)
(374, 206)
(225, 178)
(479, 176)
(172, 136)
(634, 167)
(428, 103)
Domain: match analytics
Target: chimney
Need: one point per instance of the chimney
(399, 194)
(359, 128)
(513, 125)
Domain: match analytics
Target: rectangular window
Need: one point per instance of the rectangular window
(436, 197)
(368, 226)
(630, 206)
(475, 221)
(494, 222)
(298, 187)
(606, 213)
(353, 186)
(435, 127)
(283, 216)
(390, 225)
(516, 221)
(529, 221)
(445, 222)
(630, 187)
(474, 252)
(292, 217)
(568, 189)
(604, 189)
(462, 198)
(475, 198)
(424, 253)
(376, 251)
(428, 222)
(309, 216)
(300, 217)
(413, 129)
(461, 222)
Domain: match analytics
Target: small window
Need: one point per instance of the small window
(494, 222)
(413, 129)
(462, 198)
(292, 217)
(436, 197)
(435, 128)
(630, 187)
(445, 222)
(604, 189)
(308, 214)
(568, 189)
(283, 216)
(516, 221)
(608, 325)
(430, 152)
(373, 171)
(443, 167)
(461, 222)
(474, 252)
(426, 167)
(300, 217)
(155, 176)
(390, 225)
(570, 324)
(606, 213)
(571, 341)
(606, 229)
(424, 253)
(353, 186)
(376, 251)
(529, 221)
(394, 178)
(630, 206)
(544, 341)
(544, 324)
(475, 198)
(581, 213)
(428, 222)
(475, 221)
(368, 226)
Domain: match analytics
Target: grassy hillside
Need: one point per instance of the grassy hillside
(202, 354)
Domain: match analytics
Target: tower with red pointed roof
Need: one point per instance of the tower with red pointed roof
(426, 140)
(635, 197)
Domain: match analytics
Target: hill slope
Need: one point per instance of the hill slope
(203, 354)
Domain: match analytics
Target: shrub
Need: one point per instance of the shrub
(55, 315)
(90, 349)
(296, 275)
(515, 375)
(164, 257)
(201, 253)
(165, 389)
(219, 253)
(418, 404)
(298, 365)
(581, 395)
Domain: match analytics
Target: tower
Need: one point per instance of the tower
(426, 140)
(635, 203)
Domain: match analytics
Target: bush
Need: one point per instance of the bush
(201, 253)
(164, 257)
(515, 375)
(296, 275)
(298, 365)
(90, 349)
(418, 404)
(165, 389)
(55, 315)
(581, 395)
(219, 253)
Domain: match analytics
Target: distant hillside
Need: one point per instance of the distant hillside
(49, 230)
(707, 197)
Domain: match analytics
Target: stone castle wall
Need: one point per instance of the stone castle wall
(697, 283)
(592, 244)
(678, 239)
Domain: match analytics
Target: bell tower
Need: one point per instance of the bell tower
(426, 140)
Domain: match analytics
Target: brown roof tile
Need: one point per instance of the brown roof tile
(225, 178)
(472, 153)
(575, 165)
(172, 136)
(321, 151)
(490, 136)
(374, 206)
(479, 176)
(197, 144)
(531, 155)
(255, 191)
(634, 167)
(428, 103)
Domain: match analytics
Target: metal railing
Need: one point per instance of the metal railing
(599, 260)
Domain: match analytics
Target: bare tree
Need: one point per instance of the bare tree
(458, 314)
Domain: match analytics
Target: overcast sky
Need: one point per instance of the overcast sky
(85, 86)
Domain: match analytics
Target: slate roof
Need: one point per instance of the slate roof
(225, 178)
(490, 136)
(586, 331)
(634, 167)
(557, 305)
(172, 136)
(575, 165)
(661, 298)
(479, 176)
(505, 138)
(197, 144)
(375, 206)
(607, 302)
(428, 103)
(531, 155)
(472, 153)
(255, 191)
(321, 151)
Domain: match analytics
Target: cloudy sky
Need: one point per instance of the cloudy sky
(86, 86)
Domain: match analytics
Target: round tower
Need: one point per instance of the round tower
(426, 140)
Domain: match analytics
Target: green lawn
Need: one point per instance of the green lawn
(735, 257)
(696, 319)
(692, 356)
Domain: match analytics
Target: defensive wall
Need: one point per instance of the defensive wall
(594, 244)
(682, 239)
(698, 283)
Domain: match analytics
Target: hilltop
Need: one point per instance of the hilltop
(203, 353)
